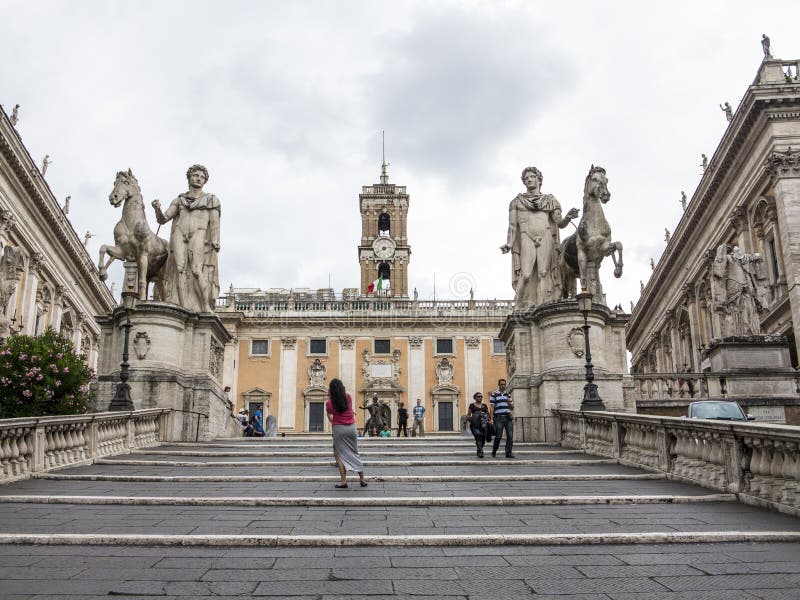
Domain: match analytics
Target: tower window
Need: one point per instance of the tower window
(384, 271)
(383, 346)
(383, 224)
(259, 347)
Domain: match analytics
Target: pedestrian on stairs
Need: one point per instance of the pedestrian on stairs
(339, 409)
(500, 407)
(478, 419)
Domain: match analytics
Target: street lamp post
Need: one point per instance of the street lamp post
(591, 398)
(122, 398)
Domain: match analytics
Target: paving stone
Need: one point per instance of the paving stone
(717, 582)
(594, 585)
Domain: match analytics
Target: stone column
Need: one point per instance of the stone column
(473, 366)
(28, 315)
(416, 371)
(77, 335)
(287, 393)
(229, 370)
(694, 325)
(784, 168)
(58, 308)
(347, 363)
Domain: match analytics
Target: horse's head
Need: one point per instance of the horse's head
(125, 186)
(596, 185)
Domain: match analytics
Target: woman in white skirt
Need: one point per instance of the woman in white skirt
(339, 408)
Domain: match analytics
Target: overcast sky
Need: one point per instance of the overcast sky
(284, 102)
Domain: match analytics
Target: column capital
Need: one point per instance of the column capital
(783, 164)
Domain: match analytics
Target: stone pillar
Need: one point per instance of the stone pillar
(287, 386)
(58, 308)
(77, 335)
(347, 363)
(28, 315)
(784, 168)
(694, 325)
(416, 371)
(473, 366)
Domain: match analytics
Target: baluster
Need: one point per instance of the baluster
(24, 449)
(5, 454)
(791, 474)
(50, 449)
(776, 470)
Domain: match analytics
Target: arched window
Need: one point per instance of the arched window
(384, 224)
(384, 272)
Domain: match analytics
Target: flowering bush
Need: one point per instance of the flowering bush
(42, 375)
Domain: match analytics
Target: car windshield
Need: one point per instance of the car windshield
(717, 410)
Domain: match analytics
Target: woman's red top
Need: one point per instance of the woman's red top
(346, 417)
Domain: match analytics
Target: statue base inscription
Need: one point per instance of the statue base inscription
(547, 365)
(176, 360)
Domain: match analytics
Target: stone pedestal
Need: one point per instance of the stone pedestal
(755, 364)
(546, 362)
(176, 362)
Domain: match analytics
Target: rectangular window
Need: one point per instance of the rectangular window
(498, 346)
(259, 347)
(444, 345)
(383, 346)
(318, 346)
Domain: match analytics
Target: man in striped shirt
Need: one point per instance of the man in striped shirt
(500, 407)
(419, 419)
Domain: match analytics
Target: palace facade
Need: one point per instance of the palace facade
(749, 196)
(288, 344)
(48, 278)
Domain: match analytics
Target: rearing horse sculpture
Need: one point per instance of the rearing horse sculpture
(584, 250)
(133, 238)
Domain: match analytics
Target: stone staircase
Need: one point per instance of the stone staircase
(258, 518)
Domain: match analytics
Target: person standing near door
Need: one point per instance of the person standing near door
(500, 407)
(419, 419)
(402, 420)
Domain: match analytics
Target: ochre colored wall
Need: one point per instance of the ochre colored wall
(259, 371)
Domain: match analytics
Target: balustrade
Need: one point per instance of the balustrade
(29, 446)
(759, 462)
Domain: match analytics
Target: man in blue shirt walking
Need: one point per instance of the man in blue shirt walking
(500, 407)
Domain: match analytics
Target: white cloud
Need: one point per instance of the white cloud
(284, 102)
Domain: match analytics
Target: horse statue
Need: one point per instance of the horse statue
(133, 238)
(584, 250)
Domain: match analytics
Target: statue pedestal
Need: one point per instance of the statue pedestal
(547, 365)
(755, 364)
(176, 359)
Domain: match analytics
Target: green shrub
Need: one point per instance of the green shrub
(42, 375)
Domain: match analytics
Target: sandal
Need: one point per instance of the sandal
(341, 486)
(363, 483)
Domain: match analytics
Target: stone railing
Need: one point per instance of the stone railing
(758, 462)
(670, 386)
(34, 445)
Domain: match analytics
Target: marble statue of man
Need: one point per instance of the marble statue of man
(704, 162)
(65, 208)
(726, 108)
(766, 45)
(533, 240)
(192, 278)
(14, 115)
(683, 201)
(739, 290)
(45, 163)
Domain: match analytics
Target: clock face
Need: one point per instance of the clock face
(383, 247)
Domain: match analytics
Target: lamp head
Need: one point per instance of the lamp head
(584, 301)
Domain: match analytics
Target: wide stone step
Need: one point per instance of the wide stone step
(632, 571)
(388, 520)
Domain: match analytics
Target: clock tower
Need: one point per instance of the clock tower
(384, 249)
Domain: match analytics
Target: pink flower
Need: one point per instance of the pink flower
(27, 393)
(23, 356)
(59, 356)
(39, 377)
(66, 369)
(57, 383)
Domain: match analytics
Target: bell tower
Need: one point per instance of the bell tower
(384, 249)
